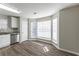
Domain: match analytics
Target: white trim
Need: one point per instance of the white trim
(32, 38)
(53, 17)
(68, 51)
(57, 46)
(65, 50)
(47, 41)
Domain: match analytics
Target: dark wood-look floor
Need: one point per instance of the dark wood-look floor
(32, 48)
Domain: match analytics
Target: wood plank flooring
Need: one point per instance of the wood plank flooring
(32, 48)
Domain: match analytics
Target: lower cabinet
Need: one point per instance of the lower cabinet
(14, 38)
(7, 39)
(4, 40)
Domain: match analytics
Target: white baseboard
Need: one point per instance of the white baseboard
(28, 40)
(65, 50)
(62, 48)
(69, 51)
(47, 41)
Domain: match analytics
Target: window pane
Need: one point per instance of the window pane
(44, 29)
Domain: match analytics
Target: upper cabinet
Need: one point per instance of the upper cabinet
(14, 22)
(3, 22)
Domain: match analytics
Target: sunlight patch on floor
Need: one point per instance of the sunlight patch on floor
(45, 49)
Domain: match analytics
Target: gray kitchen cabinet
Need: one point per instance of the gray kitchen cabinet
(14, 22)
(14, 38)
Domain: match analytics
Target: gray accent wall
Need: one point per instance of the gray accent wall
(69, 29)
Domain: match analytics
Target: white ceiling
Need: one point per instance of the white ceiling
(42, 9)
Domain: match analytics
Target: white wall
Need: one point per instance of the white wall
(33, 29)
(23, 29)
(69, 29)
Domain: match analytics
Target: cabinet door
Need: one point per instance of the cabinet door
(13, 38)
(14, 22)
(4, 40)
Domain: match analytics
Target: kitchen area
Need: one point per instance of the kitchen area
(9, 30)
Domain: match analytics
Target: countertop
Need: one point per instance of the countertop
(3, 33)
(8, 31)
